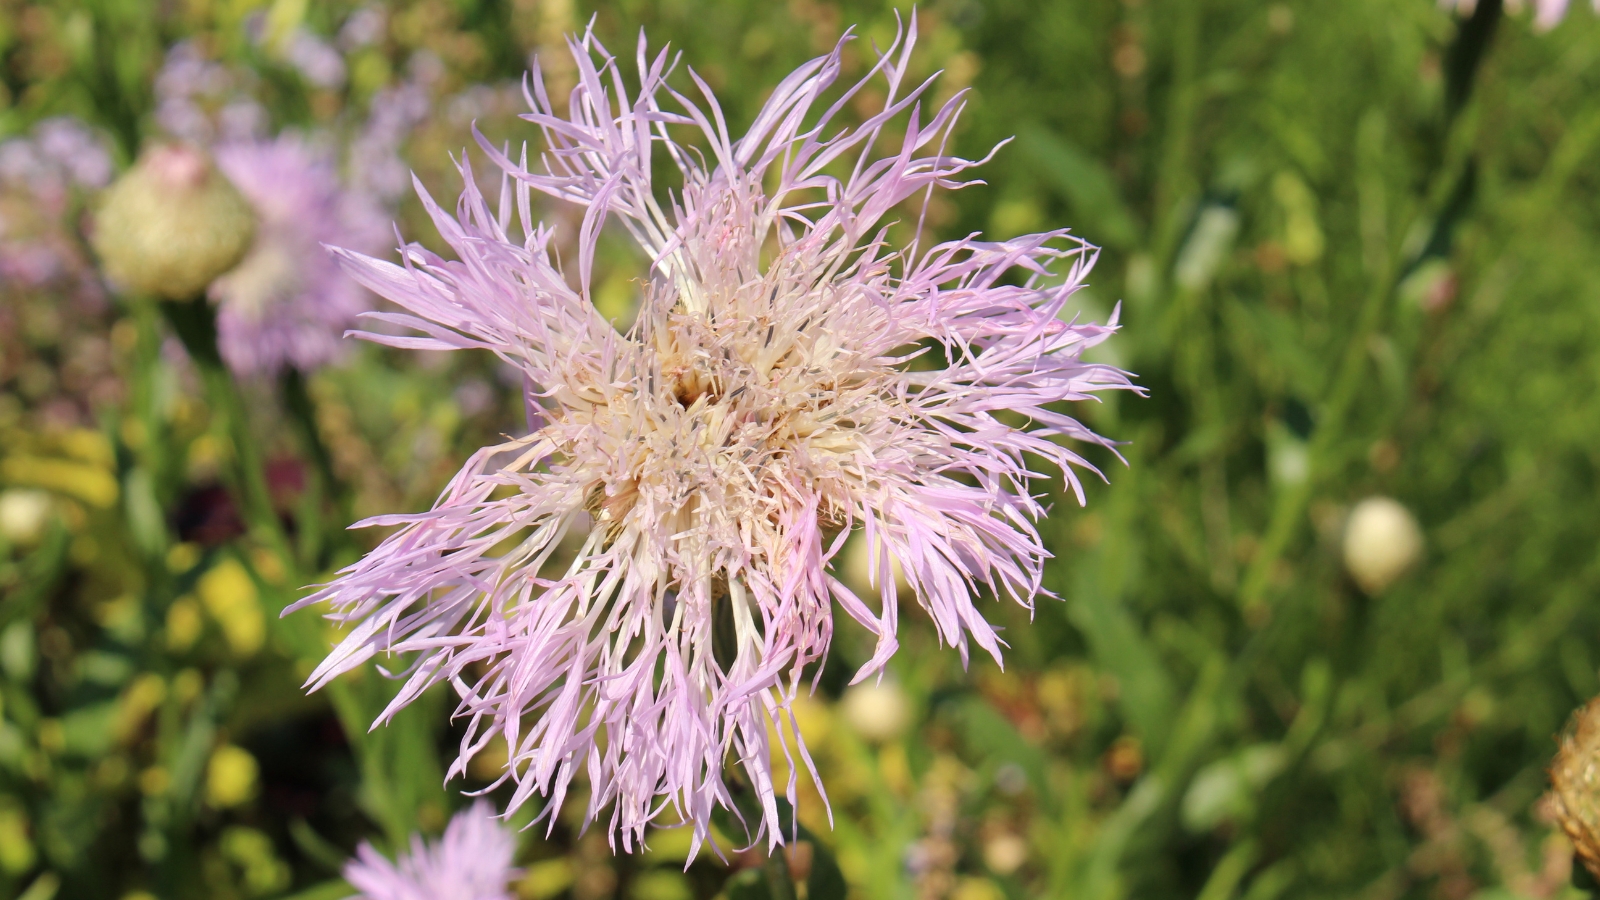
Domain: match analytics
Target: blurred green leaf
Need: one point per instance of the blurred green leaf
(1086, 184)
(337, 889)
(89, 731)
(1226, 789)
(996, 742)
(1143, 688)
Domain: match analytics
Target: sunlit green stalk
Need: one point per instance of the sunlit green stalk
(195, 323)
(383, 777)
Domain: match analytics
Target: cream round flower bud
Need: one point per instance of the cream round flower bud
(1575, 784)
(1005, 853)
(171, 224)
(1381, 541)
(24, 512)
(877, 710)
(857, 574)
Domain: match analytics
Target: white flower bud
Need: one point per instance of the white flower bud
(1207, 247)
(877, 710)
(1005, 853)
(171, 224)
(23, 514)
(1381, 541)
(857, 573)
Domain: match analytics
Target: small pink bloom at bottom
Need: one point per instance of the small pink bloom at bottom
(472, 861)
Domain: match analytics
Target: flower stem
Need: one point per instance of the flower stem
(388, 762)
(195, 323)
(780, 881)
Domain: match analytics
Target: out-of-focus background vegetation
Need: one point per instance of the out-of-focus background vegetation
(1355, 245)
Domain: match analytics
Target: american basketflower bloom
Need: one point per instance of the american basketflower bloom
(472, 861)
(288, 303)
(792, 376)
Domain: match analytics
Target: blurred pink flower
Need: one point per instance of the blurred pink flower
(201, 101)
(1547, 14)
(44, 178)
(376, 165)
(792, 375)
(288, 303)
(472, 861)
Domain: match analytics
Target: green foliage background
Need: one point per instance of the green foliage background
(1353, 245)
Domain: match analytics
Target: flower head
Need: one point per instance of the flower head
(287, 303)
(171, 224)
(472, 861)
(791, 376)
(1575, 784)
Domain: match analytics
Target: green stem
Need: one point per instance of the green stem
(1175, 179)
(780, 881)
(393, 766)
(196, 326)
(325, 485)
(1446, 198)
(1291, 502)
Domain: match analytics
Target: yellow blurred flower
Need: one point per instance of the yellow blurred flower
(52, 738)
(182, 557)
(154, 781)
(1303, 241)
(91, 484)
(171, 224)
(183, 624)
(670, 844)
(977, 889)
(252, 851)
(141, 697)
(660, 885)
(545, 879)
(16, 847)
(230, 596)
(187, 685)
(268, 566)
(231, 777)
(89, 446)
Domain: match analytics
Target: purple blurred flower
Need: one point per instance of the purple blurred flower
(185, 75)
(81, 153)
(1547, 14)
(472, 861)
(288, 303)
(60, 155)
(365, 27)
(375, 160)
(318, 61)
(27, 263)
(791, 375)
(200, 101)
(39, 175)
